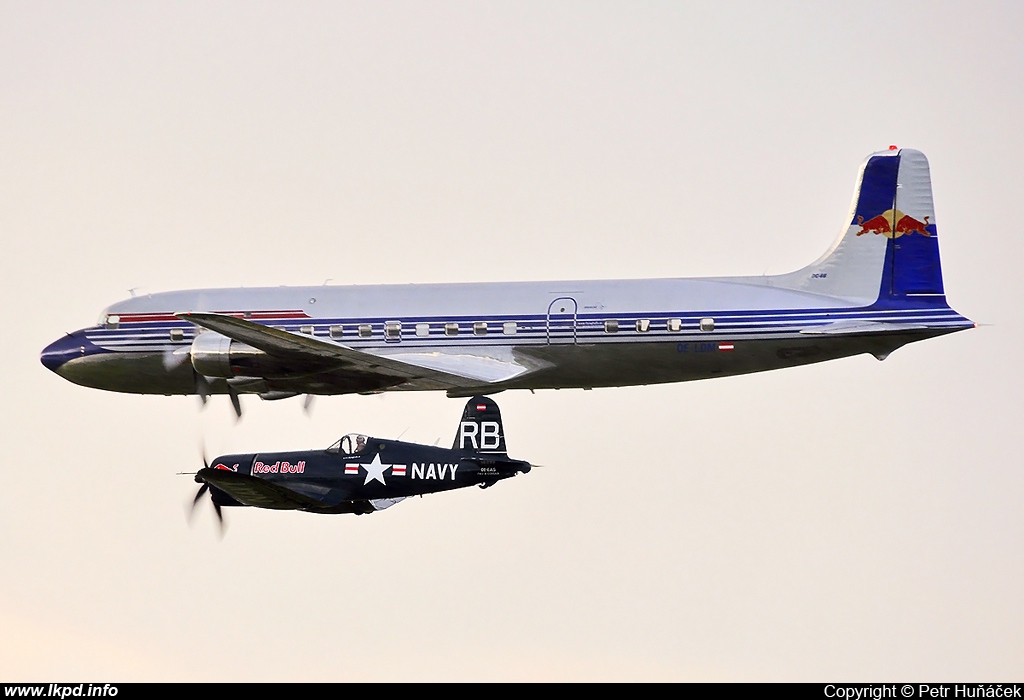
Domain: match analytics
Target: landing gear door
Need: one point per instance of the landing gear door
(561, 326)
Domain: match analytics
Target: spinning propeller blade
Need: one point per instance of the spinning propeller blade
(202, 388)
(195, 501)
(205, 488)
(173, 359)
(235, 402)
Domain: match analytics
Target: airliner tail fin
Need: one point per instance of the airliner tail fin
(888, 252)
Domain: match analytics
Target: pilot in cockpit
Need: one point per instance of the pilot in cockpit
(351, 444)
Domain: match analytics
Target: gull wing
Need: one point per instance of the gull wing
(260, 493)
(252, 491)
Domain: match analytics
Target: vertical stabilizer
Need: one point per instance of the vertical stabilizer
(912, 259)
(481, 429)
(888, 253)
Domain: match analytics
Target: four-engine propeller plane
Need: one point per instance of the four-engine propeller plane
(876, 289)
(360, 474)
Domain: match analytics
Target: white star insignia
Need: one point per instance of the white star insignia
(375, 470)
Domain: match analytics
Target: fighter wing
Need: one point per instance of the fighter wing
(251, 491)
(260, 493)
(421, 370)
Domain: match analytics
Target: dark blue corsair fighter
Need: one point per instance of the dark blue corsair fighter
(360, 474)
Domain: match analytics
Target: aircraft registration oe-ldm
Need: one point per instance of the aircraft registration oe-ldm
(876, 289)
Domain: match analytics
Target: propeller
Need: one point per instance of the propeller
(202, 389)
(173, 359)
(204, 489)
(235, 401)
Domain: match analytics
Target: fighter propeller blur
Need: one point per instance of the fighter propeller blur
(360, 474)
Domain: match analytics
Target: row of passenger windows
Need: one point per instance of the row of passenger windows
(673, 325)
(393, 329)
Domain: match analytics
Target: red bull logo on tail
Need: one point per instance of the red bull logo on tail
(892, 224)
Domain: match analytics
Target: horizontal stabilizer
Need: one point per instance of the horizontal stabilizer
(850, 327)
(383, 503)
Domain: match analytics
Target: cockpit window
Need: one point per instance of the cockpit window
(351, 444)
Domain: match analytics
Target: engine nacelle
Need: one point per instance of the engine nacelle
(215, 355)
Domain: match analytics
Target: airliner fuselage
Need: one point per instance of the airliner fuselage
(878, 288)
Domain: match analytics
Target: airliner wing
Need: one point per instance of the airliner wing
(427, 370)
(488, 365)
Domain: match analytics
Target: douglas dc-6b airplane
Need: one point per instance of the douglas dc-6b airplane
(877, 288)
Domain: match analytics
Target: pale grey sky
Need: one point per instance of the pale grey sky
(852, 520)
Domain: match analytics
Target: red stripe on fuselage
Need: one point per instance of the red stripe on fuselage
(248, 315)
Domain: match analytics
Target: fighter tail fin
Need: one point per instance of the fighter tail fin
(481, 429)
(889, 251)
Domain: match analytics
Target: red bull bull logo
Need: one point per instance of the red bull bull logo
(892, 224)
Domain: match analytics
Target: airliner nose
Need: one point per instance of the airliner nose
(59, 352)
(81, 361)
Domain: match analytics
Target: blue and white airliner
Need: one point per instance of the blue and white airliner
(876, 289)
